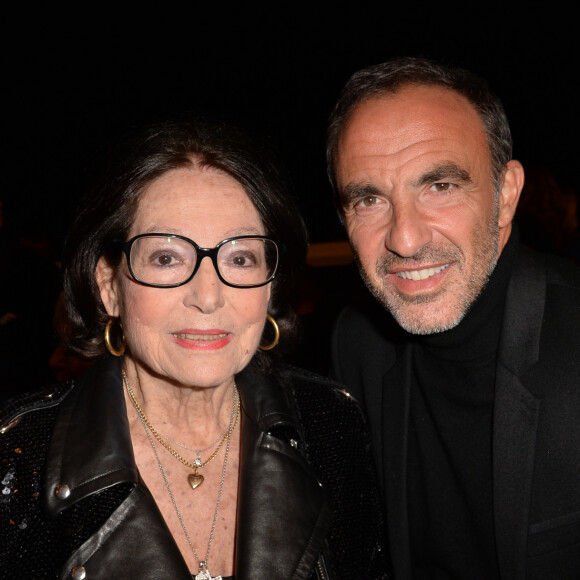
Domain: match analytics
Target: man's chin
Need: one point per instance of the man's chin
(425, 326)
(423, 316)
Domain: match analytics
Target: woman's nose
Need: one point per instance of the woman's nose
(205, 289)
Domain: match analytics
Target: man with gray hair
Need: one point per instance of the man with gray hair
(467, 360)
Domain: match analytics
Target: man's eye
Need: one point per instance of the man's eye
(368, 201)
(442, 187)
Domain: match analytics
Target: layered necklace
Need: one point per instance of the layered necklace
(195, 479)
(203, 573)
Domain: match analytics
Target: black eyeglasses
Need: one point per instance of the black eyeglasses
(169, 260)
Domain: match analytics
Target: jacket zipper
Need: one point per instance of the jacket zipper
(321, 569)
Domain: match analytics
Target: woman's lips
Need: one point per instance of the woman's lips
(202, 339)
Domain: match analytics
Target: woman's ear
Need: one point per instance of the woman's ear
(107, 283)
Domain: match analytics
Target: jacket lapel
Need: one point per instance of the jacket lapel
(395, 427)
(516, 415)
(94, 412)
(136, 529)
(90, 413)
(282, 507)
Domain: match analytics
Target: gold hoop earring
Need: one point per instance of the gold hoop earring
(108, 342)
(276, 334)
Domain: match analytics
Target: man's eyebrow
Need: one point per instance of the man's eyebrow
(354, 191)
(443, 172)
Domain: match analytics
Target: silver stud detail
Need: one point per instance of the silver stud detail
(294, 443)
(78, 573)
(62, 491)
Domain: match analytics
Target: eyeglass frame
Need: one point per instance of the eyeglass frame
(201, 253)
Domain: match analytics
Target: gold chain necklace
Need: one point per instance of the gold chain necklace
(204, 573)
(197, 462)
(195, 479)
(198, 452)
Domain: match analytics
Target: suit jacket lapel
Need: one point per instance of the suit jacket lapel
(395, 426)
(516, 415)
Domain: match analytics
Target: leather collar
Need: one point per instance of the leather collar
(282, 509)
(266, 404)
(95, 413)
(91, 444)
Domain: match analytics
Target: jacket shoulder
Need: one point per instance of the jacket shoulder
(46, 397)
(337, 446)
(558, 270)
(329, 414)
(547, 288)
(306, 384)
(565, 274)
(365, 319)
(365, 343)
(563, 298)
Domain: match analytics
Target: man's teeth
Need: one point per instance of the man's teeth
(421, 274)
(200, 336)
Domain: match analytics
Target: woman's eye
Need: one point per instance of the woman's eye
(242, 261)
(164, 260)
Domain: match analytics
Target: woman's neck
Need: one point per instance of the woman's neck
(192, 415)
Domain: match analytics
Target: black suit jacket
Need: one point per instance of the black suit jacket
(536, 427)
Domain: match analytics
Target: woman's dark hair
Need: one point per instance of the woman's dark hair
(108, 210)
(389, 77)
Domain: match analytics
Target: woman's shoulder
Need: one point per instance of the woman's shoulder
(323, 404)
(303, 381)
(47, 397)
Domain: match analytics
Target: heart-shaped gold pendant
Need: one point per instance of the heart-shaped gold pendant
(195, 480)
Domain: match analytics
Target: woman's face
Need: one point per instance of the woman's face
(204, 332)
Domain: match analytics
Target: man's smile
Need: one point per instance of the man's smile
(422, 274)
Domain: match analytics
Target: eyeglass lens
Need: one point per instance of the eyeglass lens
(166, 261)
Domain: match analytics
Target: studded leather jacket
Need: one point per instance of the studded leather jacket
(73, 504)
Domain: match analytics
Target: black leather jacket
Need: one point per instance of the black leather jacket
(73, 504)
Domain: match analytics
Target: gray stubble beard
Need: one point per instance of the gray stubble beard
(485, 261)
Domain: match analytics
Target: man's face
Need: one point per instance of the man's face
(417, 191)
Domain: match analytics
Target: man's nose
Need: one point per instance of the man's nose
(408, 231)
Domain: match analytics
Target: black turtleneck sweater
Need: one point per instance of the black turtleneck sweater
(449, 470)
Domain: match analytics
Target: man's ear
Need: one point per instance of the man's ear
(513, 182)
(107, 283)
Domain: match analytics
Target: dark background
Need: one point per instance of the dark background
(73, 83)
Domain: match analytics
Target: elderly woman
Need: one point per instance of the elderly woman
(186, 449)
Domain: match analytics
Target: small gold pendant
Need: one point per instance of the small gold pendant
(195, 480)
